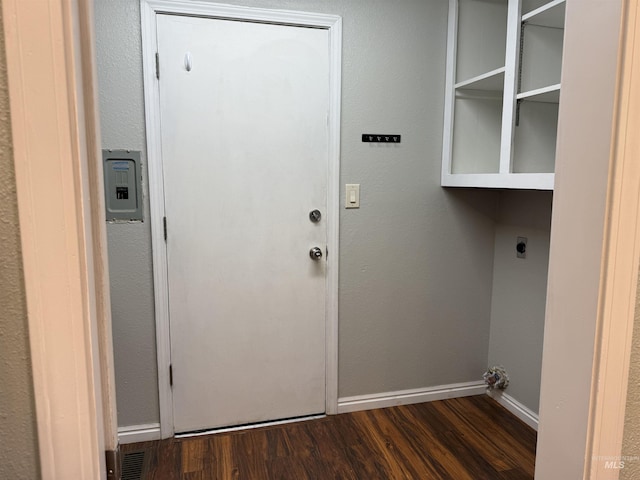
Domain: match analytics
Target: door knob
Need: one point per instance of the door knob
(315, 253)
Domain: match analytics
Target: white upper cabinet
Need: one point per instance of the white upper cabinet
(504, 63)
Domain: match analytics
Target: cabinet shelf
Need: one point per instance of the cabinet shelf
(476, 134)
(550, 94)
(534, 141)
(492, 81)
(502, 93)
(541, 62)
(550, 15)
(479, 38)
(520, 181)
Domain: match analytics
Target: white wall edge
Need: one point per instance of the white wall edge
(408, 397)
(139, 433)
(449, 95)
(524, 413)
(333, 208)
(511, 62)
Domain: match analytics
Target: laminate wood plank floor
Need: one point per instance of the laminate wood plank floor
(471, 438)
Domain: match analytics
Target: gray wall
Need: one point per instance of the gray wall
(18, 435)
(416, 259)
(519, 291)
(119, 63)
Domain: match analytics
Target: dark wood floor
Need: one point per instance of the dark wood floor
(471, 438)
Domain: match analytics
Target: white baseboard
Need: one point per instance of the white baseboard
(525, 414)
(139, 433)
(408, 397)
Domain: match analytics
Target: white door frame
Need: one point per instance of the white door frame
(332, 23)
(55, 132)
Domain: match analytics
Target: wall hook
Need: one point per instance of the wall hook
(187, 61)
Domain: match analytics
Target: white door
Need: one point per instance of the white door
(245, 159)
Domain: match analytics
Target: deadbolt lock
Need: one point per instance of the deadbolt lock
(315, 216)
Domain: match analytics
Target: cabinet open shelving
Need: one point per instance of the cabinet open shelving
(490, 81)
(550, 15)
(550, 94)
(503, 91)
(480, 39)
(478, 122)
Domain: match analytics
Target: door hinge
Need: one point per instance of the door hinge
(164, 227)
(171, 375)
(157, 65)
(112, 463)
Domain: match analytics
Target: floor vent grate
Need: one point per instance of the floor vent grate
(133, 466)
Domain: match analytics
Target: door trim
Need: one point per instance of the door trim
(52, 120)
(149, 10)
(617, 304)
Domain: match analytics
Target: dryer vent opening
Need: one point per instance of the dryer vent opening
(496, 377)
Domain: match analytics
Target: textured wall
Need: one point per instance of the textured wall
(18, 436)
(631, 441)
(520, 291)
(416, 260)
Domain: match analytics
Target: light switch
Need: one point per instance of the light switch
(352, 197)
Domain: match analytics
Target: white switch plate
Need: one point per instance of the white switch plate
(352, 195)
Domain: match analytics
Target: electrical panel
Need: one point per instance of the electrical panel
(122, 185)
